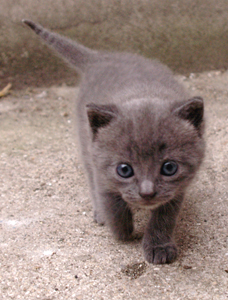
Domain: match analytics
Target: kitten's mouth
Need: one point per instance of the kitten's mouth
(152, 204)
(149, 205)
(145, 203)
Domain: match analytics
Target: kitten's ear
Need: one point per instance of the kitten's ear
(100, 115)
(192, 111)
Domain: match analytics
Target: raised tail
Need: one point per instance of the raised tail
(75, 54)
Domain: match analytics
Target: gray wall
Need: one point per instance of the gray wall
(188, 35)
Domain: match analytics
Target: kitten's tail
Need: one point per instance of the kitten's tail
(75, 54)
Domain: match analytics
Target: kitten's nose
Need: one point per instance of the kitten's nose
(147, 189)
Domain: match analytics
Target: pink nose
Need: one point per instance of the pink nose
(146, 190)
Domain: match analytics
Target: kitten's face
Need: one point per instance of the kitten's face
(147, 158)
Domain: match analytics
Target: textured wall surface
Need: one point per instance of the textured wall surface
(189, 36)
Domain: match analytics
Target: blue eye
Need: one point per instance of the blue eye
(169, 168)
(125, 170)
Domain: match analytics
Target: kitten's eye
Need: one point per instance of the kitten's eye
(169, 168)
(125, 170)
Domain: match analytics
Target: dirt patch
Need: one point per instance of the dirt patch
(134, 271)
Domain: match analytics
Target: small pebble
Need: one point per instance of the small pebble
(187, 267)
(42, 95)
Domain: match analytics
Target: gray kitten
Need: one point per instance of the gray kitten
(141, 140)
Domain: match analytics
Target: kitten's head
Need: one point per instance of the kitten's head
(145, 154)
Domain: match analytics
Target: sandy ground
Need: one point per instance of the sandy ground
(50, 247)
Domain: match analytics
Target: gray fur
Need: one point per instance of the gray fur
(132, 110)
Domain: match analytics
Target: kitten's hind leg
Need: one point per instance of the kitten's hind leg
(117, 215)
(158, 245)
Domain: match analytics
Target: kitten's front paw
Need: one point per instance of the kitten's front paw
(98, 218)
(160, 254)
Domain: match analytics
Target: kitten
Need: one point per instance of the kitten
(141, 140)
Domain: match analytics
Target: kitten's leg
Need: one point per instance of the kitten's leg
(98, 214)
(158, 245)
(97, 210)
(83, 137)
(117, 215)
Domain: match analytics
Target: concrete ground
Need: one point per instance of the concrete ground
(50, 247)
